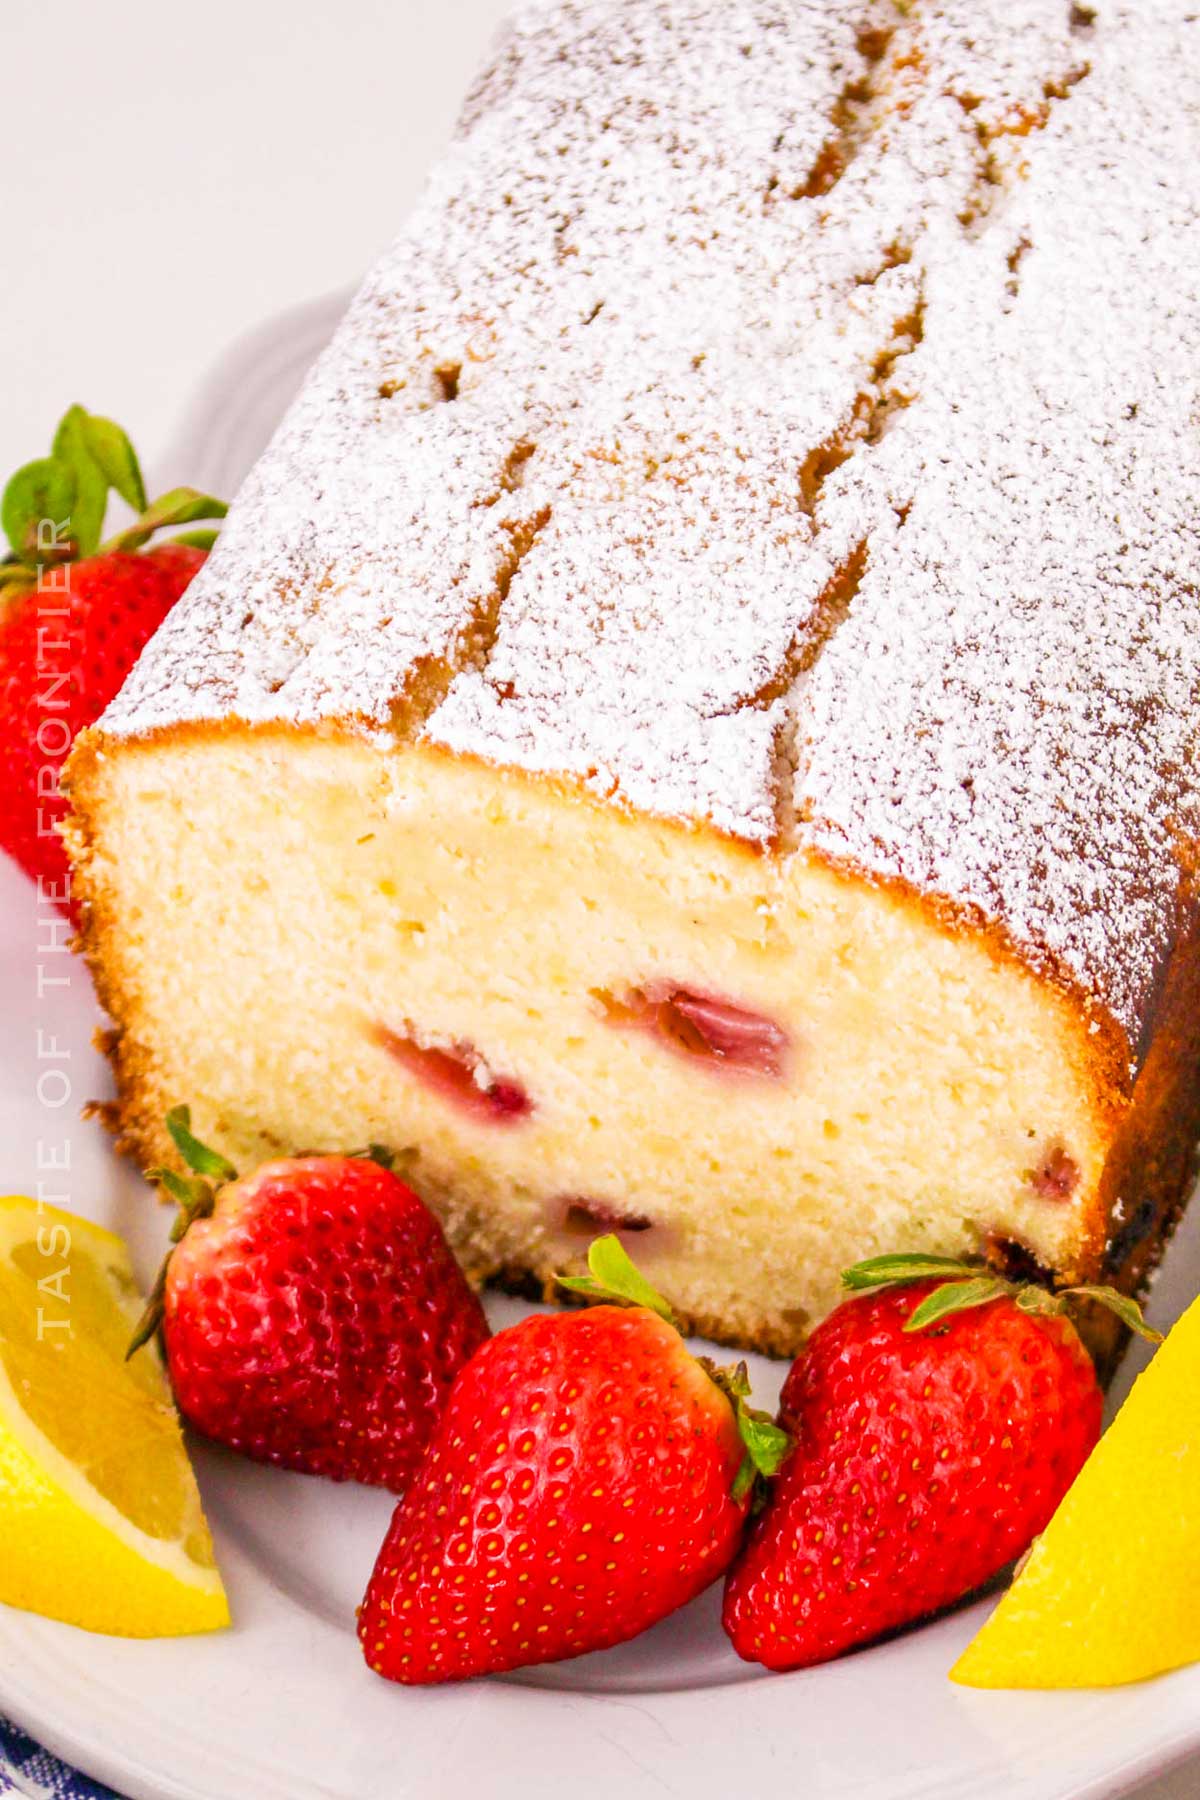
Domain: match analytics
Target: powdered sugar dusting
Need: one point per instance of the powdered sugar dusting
(709, 308)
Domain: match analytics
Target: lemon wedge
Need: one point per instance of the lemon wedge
(1108, 1594)
(100, 1516)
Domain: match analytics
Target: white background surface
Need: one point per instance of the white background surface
(174, 176)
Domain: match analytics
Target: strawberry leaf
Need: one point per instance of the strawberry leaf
(41, 493)
(191, 1193)
(152, 1316)
(196, 1201)
(966, 1284)
(957, 1296)
(113, 453)
(904, 1267)
(196, 1198)
(71, 448)
(376, 1153)
(196, 540)
(178, 507)
(198, 1157)
(1127, 1310)
(766, 1445)
(14, 574)
(614, 1276)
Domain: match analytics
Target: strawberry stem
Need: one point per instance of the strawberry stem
(376, 1153)
(765, 1443)
(194, 1197)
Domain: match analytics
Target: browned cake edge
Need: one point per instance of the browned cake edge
(1155, 1157)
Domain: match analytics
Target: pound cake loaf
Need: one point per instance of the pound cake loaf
(691, 725)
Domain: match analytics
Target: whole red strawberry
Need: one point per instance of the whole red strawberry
(938, 1425)
(588, 1478)
(312, 1314)
(75, 615)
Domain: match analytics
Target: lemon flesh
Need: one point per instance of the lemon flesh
(1109, 1593)
(100, 1516)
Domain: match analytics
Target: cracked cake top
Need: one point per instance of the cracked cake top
(782, 414)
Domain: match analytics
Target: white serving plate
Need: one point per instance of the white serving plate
(281, 1707)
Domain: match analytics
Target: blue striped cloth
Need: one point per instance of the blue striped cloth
(28, 1770)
